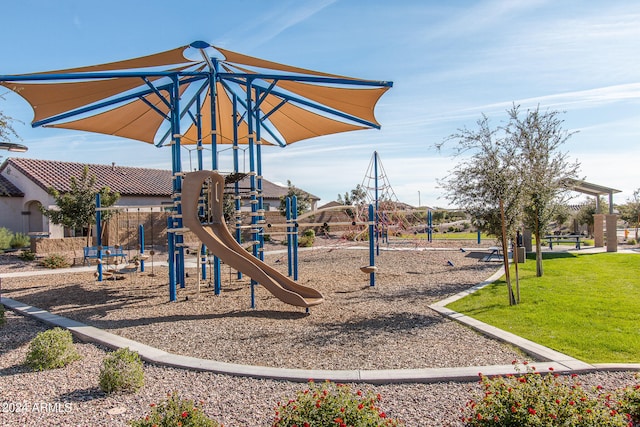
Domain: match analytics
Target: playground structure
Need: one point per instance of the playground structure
(392, 216)
(215, 235)
(223, 97)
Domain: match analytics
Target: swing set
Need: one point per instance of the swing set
(107, 257)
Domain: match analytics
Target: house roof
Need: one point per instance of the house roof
(269, 189)
(128, 181)
(8, 189)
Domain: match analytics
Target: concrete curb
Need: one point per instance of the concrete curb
(383, 376)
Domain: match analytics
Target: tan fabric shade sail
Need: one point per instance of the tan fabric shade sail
(224, 125)
(134, 120)
(161, 59)
(290, 109)
(50, 99)
(358, 102)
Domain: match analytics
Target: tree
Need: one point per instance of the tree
(302, 198)
(588, 210)
(537, 139)
(561, 214)
(356, 197)
(76, 209)
(487, 185)
(7, 132)
(516, 175)
(630, 211)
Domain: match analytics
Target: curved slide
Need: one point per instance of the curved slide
(218, 239)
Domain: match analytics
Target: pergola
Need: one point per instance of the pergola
(594, 190)
(609, 219)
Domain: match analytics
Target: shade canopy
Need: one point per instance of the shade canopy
(168, 95)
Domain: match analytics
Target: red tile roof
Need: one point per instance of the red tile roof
(128, 181)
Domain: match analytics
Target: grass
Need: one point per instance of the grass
(585, 305)
(450, 236)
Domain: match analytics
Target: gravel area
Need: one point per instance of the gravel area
(357, 327)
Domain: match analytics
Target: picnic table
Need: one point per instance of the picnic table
(495, 252)
(570, 238)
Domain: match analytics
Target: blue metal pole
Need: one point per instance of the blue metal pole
(99, 235)
(172, 271)
(372, 258)
(294, 216)
(260, 217)
(375, 169)
(203, 248)
(217, 283)
(289, 238)
(252, 180)
(430, 226)
(236, 168)
(141, 243)
(177, 180)
(479, 232)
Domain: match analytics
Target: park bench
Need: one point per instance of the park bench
(107, 253)
(572, 238)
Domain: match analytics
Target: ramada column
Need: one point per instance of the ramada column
(598, 230)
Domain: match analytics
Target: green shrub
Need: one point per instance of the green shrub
(2, 319)
(20, 240)
(629, 401)
(332, 404)
(5, 238)
(121, 371)
(356, 235)
(175, 412)
(55, 261)
(632, 242)
(307, 238)
(51, 349)
(27, 255)
(533, 399)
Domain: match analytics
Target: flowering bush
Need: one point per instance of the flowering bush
(629, 401)
(532, 399)
(175, 412)
(332, 404)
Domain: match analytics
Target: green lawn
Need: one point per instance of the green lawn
(585, 305)
(451, 236)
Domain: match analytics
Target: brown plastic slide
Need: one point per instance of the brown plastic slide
(220, 242)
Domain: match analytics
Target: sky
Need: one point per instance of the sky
(450, 63)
